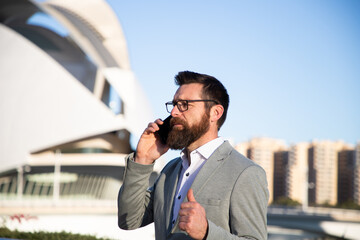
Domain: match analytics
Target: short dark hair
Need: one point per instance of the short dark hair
(213, 89)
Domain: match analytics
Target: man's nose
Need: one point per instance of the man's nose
(175, 111)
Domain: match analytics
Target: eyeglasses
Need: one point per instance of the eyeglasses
(183, 105)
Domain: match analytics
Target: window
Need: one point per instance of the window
(112, 99)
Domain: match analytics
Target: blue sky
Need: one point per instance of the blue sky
(292, 68)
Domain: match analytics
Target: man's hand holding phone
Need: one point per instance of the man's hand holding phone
(151, 145)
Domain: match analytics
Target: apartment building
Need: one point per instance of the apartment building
(297, 173)
(323, 171)
(312, 173)
(357, 174)
(281, 161)
(346, 173)
(262, 151)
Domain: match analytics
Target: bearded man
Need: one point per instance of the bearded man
(211, 191)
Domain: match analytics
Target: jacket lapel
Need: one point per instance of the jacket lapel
(170, 191)
(210, 167)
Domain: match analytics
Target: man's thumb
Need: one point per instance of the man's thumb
(190, 196)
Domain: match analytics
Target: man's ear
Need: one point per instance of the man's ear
(216, 112)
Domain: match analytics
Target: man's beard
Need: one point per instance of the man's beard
(179, 139)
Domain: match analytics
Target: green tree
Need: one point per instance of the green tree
(7, 233)
(286, 201)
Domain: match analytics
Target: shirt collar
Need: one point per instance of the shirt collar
(205, 150)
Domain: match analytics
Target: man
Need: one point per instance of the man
(210, 192)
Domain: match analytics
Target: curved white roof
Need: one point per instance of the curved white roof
(43, 101)
(90, 22)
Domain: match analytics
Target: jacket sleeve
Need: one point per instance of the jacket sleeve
(248, 208)
(135, 199)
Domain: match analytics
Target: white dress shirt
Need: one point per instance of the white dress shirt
(189, 171)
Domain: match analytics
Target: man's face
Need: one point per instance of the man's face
(188, 126)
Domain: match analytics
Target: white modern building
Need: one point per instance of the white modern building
(70, 104)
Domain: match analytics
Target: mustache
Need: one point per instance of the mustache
(175, 121)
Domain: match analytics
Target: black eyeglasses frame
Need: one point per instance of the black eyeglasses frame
(186, 105)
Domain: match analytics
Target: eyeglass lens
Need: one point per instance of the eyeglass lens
(182, 105)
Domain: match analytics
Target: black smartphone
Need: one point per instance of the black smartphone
(164, 129)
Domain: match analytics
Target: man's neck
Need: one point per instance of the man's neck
(198, 143)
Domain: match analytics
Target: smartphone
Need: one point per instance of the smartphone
(164, 130)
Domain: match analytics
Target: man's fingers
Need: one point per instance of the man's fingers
(192, 217)
(190, 196)
(187, 210)
(184, 219)
(152, 127)
(159, 121)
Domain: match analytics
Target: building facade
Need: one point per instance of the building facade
(357, 174)
(297, 173)
(346, 175)
(323, 172)
(262, 151)
(316, 173)
(69, 100)
(281, 162)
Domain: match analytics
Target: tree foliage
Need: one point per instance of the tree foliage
(285, 201)
(7, 233)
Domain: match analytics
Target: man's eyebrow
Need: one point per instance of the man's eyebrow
(178, 99)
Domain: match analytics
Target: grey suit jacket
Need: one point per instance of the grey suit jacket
(231, 188)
